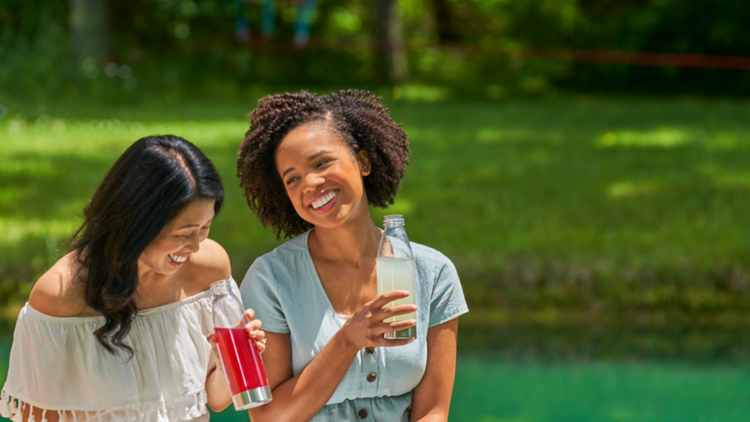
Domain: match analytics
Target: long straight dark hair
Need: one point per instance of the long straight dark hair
(151, 182)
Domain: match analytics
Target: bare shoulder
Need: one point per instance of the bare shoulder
(210, 264)
(56, 293)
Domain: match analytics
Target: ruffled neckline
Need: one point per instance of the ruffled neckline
(99, 318)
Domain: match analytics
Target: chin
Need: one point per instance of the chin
(331, 225)
(169, 269)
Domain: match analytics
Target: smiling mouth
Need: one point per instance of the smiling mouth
(178, 259)
(324, 200)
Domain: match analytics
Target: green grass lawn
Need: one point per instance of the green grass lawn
(574, 203)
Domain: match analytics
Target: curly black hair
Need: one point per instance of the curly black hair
(361, 120)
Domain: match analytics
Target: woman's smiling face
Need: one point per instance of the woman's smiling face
(179, 239)
(322, 177)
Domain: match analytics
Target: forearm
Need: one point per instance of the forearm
(432, 397)
(217, 390)
(302, 396)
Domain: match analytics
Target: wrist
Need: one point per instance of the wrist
(342, 342)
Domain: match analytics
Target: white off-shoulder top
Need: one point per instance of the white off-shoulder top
(57, 364)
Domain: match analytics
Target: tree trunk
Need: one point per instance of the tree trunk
(446, 32)
(89, 32)
(390, 39)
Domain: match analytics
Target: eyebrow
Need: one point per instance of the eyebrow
(193, 225)
(312, 157)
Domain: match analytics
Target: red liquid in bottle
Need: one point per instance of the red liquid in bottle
(241, 360)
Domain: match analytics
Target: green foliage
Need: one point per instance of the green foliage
(480, 50)
(33, 57)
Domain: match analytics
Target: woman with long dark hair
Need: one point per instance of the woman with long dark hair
(311, 166)
(116, 329)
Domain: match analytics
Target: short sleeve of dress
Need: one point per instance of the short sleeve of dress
(447, 301)
(261, 293)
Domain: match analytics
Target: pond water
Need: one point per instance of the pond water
(532, 373)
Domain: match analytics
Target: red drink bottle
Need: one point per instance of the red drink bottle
(243, 365)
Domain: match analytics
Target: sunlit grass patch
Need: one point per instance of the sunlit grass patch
(492, 135)
(423, 93)
(31, 166)
(14, 230)
(658, 138)
(87, 137)
(627, 188)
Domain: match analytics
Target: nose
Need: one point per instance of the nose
(313, 180)
(193, 243)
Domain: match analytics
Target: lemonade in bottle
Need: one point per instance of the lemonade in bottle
(395, 271)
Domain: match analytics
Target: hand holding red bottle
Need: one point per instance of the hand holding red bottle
(239, 340)
(253, 330)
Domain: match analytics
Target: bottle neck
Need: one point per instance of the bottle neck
(393, 221)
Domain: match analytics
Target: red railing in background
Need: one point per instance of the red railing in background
(626, 58)
(644, 59)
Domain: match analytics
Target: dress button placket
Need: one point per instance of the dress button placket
(371, 370)
(363, 409)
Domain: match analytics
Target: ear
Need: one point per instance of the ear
(364, 162)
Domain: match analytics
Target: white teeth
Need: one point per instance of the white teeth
(177, 258)
(324, 200)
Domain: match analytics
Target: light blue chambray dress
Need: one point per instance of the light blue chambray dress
(284, 290)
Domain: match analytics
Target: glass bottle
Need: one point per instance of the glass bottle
(395, 271)
(242, 363)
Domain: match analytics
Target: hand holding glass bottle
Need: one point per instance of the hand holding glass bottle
(366, 328)
(395, 271)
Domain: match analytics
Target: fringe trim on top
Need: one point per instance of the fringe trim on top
(185, 408)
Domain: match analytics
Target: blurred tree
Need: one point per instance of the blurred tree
(89, 31)
(175, 43)
(390, 39)
(444, 23)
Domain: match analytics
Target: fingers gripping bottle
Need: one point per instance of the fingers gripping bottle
(242, 363)
(395, 271)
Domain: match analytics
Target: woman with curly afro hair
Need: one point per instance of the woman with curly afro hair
(311, 166)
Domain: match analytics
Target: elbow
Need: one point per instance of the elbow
(429, 415)
(217, 408)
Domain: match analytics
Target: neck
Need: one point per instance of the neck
(148, 277)
(355, 242)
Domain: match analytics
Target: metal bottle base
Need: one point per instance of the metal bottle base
(252, 398)
(406, 333)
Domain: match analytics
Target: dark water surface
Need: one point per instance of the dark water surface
(595, 373)
(575, 373)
